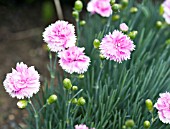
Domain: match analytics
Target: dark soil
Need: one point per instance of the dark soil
(21, 28)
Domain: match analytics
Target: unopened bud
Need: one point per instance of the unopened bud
(101, 56)
(81, 76)
(81, 101)
(112, 2)
(96, 43)
(22, 104)
(78, 5)
(82, 23)
(133, 34)
(115, 17)
(146, 124)
(116, 7)
(67, 83)
(149, 105)
(123, 127)
(74, 88)
(74, 101)
(75, 14)
(52, 99)
(124, 3)
(159, 24)
(133, 10)
(161, 10)
(129, 123)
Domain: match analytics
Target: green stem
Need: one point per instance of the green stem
(42, 108)
(35, 113)
(78, 30)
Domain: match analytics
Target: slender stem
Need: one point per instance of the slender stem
(58, 9)
(35, 113)
(42, 108)
(78, 30)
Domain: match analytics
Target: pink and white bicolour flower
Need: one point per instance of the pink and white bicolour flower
(23, 82)
(123, 27)
(116, 46)
(163, 107)
(166, 7)
(59, 36)
(101, 7)
(82, 126)
(74, 60)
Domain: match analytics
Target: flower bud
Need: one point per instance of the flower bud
(67, 83)
(133, 10)
(75, 14)
(22, 104)
(133, 34)
(124, 3)
(78, 5)
(129, 123)
(101, 57)
(81, 101)
(167, 42)
(161, 10)
(74, 88)
(149, 105)
(115, 17)
(123, 127)
(82, 23)
(123, 27)
(159, 24)
(112, 2)
(81, 76)
(146, 124)
(52, 99)
(74, 101)
(116, 7)
(96, 43)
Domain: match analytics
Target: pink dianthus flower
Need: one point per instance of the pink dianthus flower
(116, 46)
(166, 7)
(101, 7)
(74, 60)
(123, 27)
(82, 127)
(22, 82)
(59, 35)
(163, 107)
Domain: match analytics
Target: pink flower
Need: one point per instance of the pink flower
(82, 127)
(74, 60)
(166, 6)
(59, 35)
(116, 46)
(163, 107)
(123, 27)
(101, 7)
(22, 82)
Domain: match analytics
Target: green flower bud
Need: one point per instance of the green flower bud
(167, 42)
(78, 5)
(161, 10)
(146, 124)
(22, 104)
(159, 24)
(81, 101)
(123, 127)
(149, 105)
(82, 23)
(74, 101)
(67, 83)
(115, 17)
(96, 43)
(75, 14)
(133, 10)
(112, 2)
(81, 76)
(129, 123)
(116, 7)
(52, 99)
(74, 88)
(133, 34)
(101, 57)
(124, 3)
